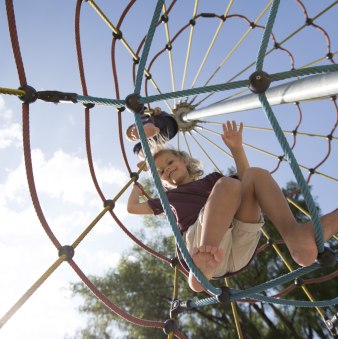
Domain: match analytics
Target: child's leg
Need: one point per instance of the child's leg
(258, 187)
(150, 130)
(219, 211)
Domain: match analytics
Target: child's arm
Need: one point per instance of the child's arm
(134, 205)
(232, 137)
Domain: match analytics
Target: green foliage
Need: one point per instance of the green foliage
(142, 285)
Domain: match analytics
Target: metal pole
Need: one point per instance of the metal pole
(311, 87)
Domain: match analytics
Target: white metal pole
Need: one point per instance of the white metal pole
(311, 87)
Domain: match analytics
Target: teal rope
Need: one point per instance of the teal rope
(252, 292)
(281, 137)
(146, 48)
(162, 196)
(272, 300)
(266, 35)
(100, 101)
(197, 90)
(207, 89)
(303, 71)
(297, 172)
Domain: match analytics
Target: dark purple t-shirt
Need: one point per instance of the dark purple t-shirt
(187, 200)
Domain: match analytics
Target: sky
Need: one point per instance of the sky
(65, 189)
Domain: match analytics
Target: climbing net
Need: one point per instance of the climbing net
(228, 93)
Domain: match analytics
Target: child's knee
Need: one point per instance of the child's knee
(254, 173)
(228, 186)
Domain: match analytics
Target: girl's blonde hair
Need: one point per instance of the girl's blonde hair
(194, 166)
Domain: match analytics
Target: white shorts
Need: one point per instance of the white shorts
(239, 243)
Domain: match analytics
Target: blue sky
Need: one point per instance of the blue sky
(65, 189)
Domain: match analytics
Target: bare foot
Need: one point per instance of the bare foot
(207, 259)
(150, 130)
(302, 244)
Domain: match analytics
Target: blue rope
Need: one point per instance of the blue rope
(281, 137)
(100, 101)
(297, 172)
(272, 300)
(252, 292)
(162, 196)
(146, 48)
(266, 35)
(208, 89)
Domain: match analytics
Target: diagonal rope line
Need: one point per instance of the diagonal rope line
(253, 292)
(146, 47)
(162, 196)
(266, 35)
(296, 170)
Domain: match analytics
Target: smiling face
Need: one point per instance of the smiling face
(172, 169)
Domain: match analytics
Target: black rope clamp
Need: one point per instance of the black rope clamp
(68, 251)
(224, 296)
(298, 281)
(327, 258)
(178, 307)
(174, 262)
(134, 175)
(170, 326)
(30, 94)
(109, 203)
(133, 103)
(332, 323)
(259, 82)
(56, 97)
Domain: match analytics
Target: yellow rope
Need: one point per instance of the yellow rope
(235, 313)
(175, 291)
(125, 43)
(189, 46)
(106, 209)
(211, 44)
(12, 91)
(318, 60)
(31, 290)
(112, 27)
(214, 144)
(205, 152)
(166, 26)
(304, 212)
(63, 257)
(187, 144)
(289, 267)
(283, 41)
(275, 156)
(239, 42)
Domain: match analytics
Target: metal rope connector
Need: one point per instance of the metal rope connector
(57, 97)
(178, 307)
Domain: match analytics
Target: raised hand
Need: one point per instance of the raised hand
(232, 135)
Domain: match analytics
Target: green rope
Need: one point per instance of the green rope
(266, 35)
(145, 146)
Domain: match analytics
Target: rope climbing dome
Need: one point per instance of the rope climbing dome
(199, 108)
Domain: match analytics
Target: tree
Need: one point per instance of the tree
(142, 285)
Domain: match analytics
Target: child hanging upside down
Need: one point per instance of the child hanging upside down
(159, 125)
(220, 217)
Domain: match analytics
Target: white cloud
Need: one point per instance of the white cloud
(64, 176)
(6, 113)
(11, 135)
(70, 203)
